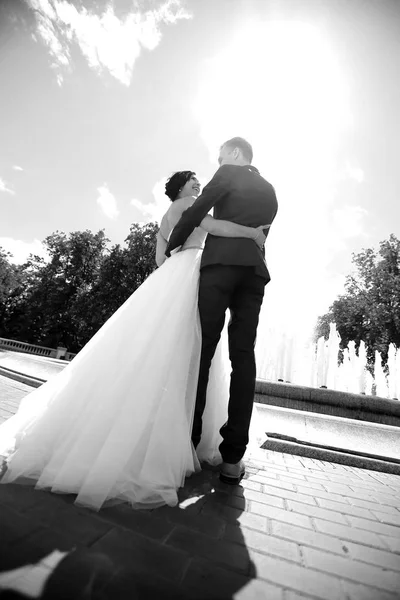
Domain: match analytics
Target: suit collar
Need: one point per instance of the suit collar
(251, 168)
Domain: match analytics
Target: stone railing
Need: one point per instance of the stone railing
(16, 346)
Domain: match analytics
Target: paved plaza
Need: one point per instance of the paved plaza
(296, 528)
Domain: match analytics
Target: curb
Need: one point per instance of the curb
(329, 402)
(334, 456)
(21, 377)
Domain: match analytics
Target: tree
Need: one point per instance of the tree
(10, 279)
(40, 314)
(370, 308)
(122, 271)
(66, 299)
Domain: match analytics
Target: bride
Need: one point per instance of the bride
(115, 424)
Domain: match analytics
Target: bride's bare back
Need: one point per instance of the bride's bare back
(168, 222)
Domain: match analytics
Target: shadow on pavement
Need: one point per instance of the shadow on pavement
(171, 553)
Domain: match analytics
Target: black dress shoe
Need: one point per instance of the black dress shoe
(232, 474)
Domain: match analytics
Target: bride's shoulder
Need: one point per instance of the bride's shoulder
(188, 200)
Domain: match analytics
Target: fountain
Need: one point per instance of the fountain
(292, 360)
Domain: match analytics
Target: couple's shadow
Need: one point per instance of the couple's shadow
(221, 564)
(204, 528)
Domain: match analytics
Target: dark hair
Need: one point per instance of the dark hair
(243, 145)
(176, 182)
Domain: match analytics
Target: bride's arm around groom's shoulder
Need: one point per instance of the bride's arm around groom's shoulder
(216, 189)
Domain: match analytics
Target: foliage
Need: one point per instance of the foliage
(370, 308)
(65, 300)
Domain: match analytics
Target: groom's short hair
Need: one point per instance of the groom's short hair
(243, 145)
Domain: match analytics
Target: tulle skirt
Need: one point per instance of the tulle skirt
(115, 424)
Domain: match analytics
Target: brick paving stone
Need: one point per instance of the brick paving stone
(292, 595)
(235, 516)
(315, 511)
(85, 528)
(300, 579)
(338, 468)
(374, 505)
(20, 497)
(292, 477)
(226, 498)
(263, 543)
(356, 591)
(389, 519)
(281, 515)
(373, 486)
(376, 526)
(392, 543)
(385, 500)
(373, 556)
(139, 553)
(344, 532)
(322, 494)
(267, 482)
(267, 479)
(271, 467)
(36, 546)
(383, 477)
(81, 573)
(14, 527)
(292, 468)
(344, 490)
(234, 556)
(352, 569)
(317, 471)
(288, 494)
(303, 482)
(323, 476)
(346, 508)
(266, 473)
(251, 470)
(209, 581)
(208, 525)
(142, 522)
(256, 589)
(128, 585)
(307, 537)
(270, 499)
(284, 490)
(252, 484)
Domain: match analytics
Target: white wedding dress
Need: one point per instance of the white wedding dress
(115, 424)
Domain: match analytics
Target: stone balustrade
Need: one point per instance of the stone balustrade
(17, 346)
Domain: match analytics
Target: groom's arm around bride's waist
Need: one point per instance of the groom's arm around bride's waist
(214, 191)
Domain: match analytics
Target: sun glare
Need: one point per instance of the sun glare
(279, 84)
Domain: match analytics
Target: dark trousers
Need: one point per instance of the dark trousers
(241, 290)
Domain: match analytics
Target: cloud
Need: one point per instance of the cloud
(348, 221)
(107, 202)
(17, 168)
(355, 173)
(153, 211)
(4, 187)
(108, 43)
(21, 249)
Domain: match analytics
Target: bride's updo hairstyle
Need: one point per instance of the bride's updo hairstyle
(176, 183)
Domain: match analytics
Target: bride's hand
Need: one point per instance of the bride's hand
(260, 236)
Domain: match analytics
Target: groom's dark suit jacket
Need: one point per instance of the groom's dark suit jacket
(238, 194)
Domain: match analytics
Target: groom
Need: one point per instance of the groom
(233, 275)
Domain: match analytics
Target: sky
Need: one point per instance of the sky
(102, 100)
